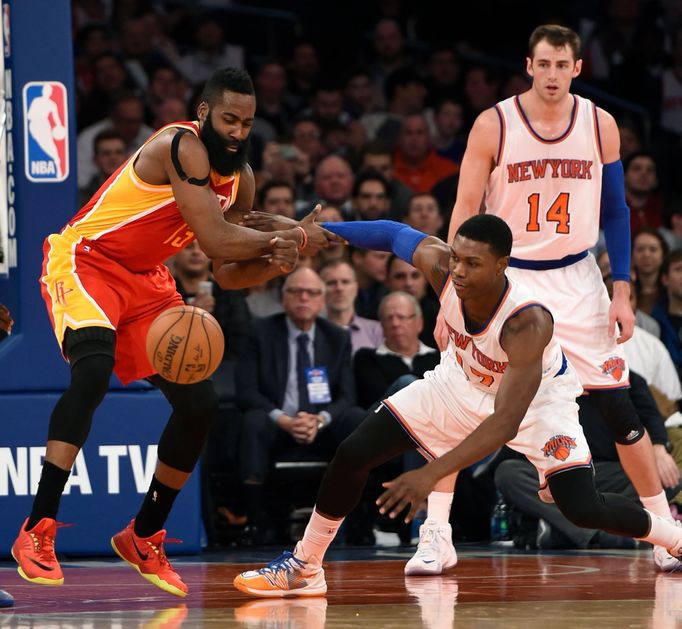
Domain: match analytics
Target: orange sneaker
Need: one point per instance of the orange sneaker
(34, 552)
(283, 577)
(147, 556)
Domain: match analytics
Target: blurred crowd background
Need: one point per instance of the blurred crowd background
(365, 107)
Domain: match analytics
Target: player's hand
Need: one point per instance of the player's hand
(266, 222)
(284, 254)
(318, 237)
(6, 321)
(666, 466)
(440, 332)
(620, 312)
(411, 488)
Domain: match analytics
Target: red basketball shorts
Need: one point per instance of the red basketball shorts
(83, 288)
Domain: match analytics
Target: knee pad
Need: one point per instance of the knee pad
(576, 496)
(194, 409)
(616, 409)
(84, 342)
(72, 415)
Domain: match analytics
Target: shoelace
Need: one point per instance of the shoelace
(43, 543)
(430, 536)
(159, 550)
(286, 561)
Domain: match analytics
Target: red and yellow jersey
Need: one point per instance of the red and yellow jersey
(138, 224)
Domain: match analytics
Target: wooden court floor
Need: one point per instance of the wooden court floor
(488, 588)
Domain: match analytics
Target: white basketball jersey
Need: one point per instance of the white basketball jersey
(547, 191)
(479, 354)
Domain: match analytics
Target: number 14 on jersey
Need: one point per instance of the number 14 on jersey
(557, 213)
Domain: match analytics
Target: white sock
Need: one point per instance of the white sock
(439, 506)
(664, 533)
(318, 535)
(657, 504)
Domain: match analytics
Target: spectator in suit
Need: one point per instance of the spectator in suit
(283, 413)
(341, 288)
(401, 358)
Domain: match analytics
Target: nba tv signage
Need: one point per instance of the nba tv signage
(46, 133)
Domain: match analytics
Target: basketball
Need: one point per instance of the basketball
(185, 344)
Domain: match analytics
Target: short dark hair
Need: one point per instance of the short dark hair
(369, 175)
(557, 36)
(489, 229)
(377, 147)
(402, 77)
(672, 258)
(633, 156)
(108, 134)
(269, 185)
(227, 80)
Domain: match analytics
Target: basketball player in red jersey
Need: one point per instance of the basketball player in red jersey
(104, 282)
(548, 163)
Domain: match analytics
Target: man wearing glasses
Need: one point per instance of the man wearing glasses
(295, 388)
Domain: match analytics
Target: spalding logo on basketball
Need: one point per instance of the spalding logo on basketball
(185, 344)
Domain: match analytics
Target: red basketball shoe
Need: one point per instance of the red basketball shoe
(147, 556)
(34, 552)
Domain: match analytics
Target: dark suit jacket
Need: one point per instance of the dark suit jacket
(374, 373)
(263, 368)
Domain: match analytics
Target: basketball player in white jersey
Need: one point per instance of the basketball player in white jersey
(502, 379)
(548, 163)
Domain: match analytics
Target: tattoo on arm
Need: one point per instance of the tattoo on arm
(438, 275)
(175, 158)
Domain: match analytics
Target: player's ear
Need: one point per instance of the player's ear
(202, 110)
(577, 69)
(502, 264)
(529, 66)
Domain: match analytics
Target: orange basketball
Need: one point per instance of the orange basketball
(185, 344)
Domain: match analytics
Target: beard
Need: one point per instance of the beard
(222, 161)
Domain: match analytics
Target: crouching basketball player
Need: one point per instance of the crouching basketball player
(502, 379)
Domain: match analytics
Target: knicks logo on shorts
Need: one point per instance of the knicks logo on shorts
(559, 446)
(614, 367)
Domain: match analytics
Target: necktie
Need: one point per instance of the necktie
(302, 363)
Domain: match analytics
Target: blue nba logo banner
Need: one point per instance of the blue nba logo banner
(46, 132)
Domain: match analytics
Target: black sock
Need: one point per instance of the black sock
(50, 488)
(155, 508)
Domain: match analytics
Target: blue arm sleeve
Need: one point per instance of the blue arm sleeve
(615, 219)
(382, 235)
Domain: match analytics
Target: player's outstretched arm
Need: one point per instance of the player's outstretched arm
(477, 164)
(247, 273)
(184, 160)
(524, 339)
(317, 237)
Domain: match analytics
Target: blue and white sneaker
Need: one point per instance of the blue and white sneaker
(285, 576)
